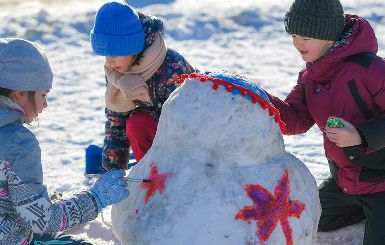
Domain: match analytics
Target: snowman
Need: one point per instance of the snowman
(218, 173)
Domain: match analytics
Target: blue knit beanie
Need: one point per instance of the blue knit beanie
(23, 66)
(117, 31)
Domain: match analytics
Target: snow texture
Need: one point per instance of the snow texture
(246, 37)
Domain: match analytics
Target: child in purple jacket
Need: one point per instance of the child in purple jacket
(343, 78)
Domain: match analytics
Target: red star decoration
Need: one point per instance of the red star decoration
(267, 209)
(157, 182)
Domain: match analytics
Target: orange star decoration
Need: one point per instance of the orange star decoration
(157, 182)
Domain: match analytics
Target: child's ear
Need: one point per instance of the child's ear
(17, 95)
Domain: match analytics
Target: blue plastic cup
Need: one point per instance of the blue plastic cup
(94, 160)
(94, 166)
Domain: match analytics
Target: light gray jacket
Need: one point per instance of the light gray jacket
(25, 207)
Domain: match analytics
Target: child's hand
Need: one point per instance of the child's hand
(110, 188)
(345, 136)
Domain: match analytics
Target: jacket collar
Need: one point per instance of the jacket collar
(358, 38)
(10, 112)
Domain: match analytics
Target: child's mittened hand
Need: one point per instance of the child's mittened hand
(110, 188)
(345, 136)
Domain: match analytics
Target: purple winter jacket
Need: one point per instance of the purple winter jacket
(324, 89)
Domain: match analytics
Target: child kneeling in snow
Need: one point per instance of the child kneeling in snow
(141, 73)
(26, 213)
(343, 78)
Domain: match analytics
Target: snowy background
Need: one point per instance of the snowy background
(246, 37)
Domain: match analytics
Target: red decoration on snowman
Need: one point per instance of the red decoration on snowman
(268, 209)
(157, 181)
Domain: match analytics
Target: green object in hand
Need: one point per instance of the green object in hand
(334, 122)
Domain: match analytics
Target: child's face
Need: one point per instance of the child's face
(31, 106)
(311, 49)
(120, 63)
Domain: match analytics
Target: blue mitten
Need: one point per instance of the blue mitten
(110, 188)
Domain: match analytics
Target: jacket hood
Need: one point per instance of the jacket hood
(151, 25)
(8, 116)
(10, 112)
(358, 37)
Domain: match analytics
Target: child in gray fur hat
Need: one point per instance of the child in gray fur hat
(27, 215)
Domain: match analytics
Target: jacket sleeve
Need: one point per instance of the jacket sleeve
(372, 154)
(116, 148)
(41, 215)
(29, 196)
(374, 131)
(294, 111)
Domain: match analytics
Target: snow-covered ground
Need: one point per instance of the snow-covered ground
(246, 37)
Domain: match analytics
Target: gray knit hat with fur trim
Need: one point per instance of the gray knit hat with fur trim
(23, 66)
(318, 19)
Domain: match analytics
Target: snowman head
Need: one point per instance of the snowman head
(217, 110)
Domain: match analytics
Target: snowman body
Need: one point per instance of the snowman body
(219, 173)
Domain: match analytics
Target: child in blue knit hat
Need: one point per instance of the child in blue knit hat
(27, 215)
(141, 73)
